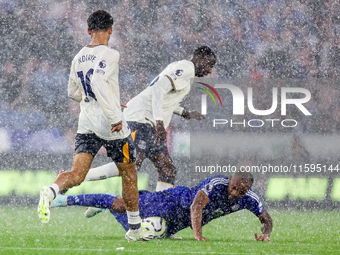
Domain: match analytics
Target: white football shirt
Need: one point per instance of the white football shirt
(140, 108)
(94, 83)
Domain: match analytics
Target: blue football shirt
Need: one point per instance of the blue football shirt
(174, 204)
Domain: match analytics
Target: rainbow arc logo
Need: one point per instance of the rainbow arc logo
(209, 93)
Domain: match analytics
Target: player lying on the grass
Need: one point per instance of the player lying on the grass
(183, 207)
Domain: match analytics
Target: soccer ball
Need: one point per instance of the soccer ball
(155, 224)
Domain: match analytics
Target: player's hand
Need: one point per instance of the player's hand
(123, 105)
(201, 238)
(116, 127)
(193, 115)
(264, 237)
(160, 134)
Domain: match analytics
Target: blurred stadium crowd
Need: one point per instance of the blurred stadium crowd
(253, 40)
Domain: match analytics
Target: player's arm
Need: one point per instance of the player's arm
(266, 226)
(159, 90)
(196, 209)
(180, 111)
(192, 115)
(73, 89)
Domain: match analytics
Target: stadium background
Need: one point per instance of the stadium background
(253, 40)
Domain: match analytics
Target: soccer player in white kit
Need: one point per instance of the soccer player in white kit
(149, 114)
(93, 83)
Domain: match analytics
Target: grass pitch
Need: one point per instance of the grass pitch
(69, 232)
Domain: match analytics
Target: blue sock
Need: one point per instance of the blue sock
(122, 219)
(92, 200)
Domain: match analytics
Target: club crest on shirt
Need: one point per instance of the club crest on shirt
(208, 187)
(179, 72)
(102, 64)
(142, 145)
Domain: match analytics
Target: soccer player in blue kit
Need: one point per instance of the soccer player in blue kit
(184, 207)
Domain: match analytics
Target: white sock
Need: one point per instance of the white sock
(102, 172)
(163, 186)
(55, 187)
(133, 217)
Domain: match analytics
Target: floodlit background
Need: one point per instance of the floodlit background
(254, 40)
(259, 43)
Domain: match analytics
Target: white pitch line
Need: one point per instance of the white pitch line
(101, 250)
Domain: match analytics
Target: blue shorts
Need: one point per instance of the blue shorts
(121, 150)
(144, 142)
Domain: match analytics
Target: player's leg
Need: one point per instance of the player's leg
(107, 171)
(86, 146)
(130, 192)
(100, 201)
(123, 152)
(130, 197)
(102, 172)
(140, 136)
(166, 170)
(81, 164)
(159, 155)
(139, 159)
(166, 173)
(111, 170)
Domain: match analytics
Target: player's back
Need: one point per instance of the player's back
(181, 75)
(99, 63)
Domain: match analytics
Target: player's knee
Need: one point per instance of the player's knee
(76, 177)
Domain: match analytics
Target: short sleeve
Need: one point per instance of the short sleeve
(252, 203)
(216, 187)
(181, 74)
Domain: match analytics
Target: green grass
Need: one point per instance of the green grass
(69, 232)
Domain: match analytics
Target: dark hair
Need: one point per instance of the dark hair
(100, 20)
(204, 51)
(245, 176)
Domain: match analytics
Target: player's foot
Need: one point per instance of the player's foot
(59, 201)
(93, 211)
(141, 234)
(46, 197)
